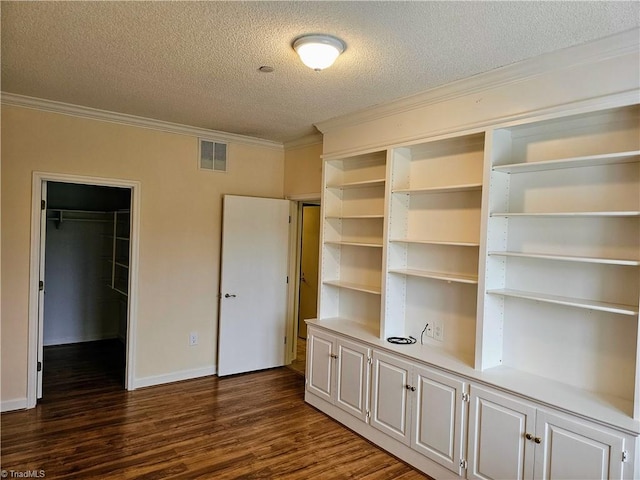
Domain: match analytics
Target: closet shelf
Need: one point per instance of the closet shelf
(569, 301)
(354, 286)
(126, 239)
(354, 217)
(121, 292)
(448, 277)
(444, 189)
(353, 244)
(377, 182)
(568, 214)
(575, 162)
(434, 242)
(569, 258)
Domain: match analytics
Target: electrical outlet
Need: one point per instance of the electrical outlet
(429, 331)
(438, 330)
(193, 339)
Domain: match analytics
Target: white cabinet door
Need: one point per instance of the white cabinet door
(390, 402)
(498, 447)
(352, 378)
(570, 450)
(438, 417)
(320, 357)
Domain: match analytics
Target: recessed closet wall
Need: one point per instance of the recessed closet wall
(81, 303)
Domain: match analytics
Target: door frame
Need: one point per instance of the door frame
(34, 271)
(294, 267)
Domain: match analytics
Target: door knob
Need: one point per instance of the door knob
(229, 295)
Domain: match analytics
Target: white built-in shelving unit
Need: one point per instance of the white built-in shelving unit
(352, 238)
(562, 263)
(520, 241)
(431, 268)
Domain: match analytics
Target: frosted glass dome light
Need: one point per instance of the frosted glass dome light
(318, 51)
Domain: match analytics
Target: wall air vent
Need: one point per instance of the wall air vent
(213, 156)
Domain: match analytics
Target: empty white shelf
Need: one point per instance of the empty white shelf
(448, 277)
(444, 189)
(354, 286)
(569, 258)
(354, 217)
(567, 214)
(378, 182)
(575, 162)
(354, 244)
(569, 301)
(435, 242)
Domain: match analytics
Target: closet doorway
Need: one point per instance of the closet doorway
(83, 256)
(86, 285)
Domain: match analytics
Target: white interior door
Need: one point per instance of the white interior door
(43, 242)
(253, 285)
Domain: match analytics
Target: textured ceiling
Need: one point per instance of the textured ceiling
(196, 63)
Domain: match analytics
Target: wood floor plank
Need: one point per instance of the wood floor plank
(252, 426)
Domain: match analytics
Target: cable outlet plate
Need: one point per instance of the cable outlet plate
(429, 331)
(193, 339)
(438, 330)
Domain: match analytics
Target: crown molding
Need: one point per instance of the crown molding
(24, 101)
(620, 44)
(306, 141)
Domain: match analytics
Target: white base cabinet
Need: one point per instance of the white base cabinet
(419, 407)
(511, 438)
(338, 372)
(451, 426)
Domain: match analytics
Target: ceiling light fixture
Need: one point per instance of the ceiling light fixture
(318, 51)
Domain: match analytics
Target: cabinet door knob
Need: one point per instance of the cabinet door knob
(528, 436)
(409, 387)
(537, 440)
(333, 355)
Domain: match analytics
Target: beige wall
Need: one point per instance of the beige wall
(303, 170)
(180, 221)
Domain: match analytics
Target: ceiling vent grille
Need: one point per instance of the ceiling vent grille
(213, 156)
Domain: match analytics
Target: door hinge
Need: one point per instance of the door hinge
(39, 366)
(463, 463)
(625, 456)
(43, 205)
(465, 397)
(40, 285)
(287, 279)
(289, 218)
(285, 339)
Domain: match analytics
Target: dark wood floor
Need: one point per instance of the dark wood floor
(246, 426)
(299, 364)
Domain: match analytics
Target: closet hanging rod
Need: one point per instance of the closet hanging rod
(70, 210)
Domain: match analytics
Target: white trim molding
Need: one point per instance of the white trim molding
(306, 141)
(24, 101)
(175, 376)
(609, 47)
(15, 404)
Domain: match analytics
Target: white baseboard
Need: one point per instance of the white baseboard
(174, 377)
(15, 404)
(80, 339)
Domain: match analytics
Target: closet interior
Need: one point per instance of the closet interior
(86, 277)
